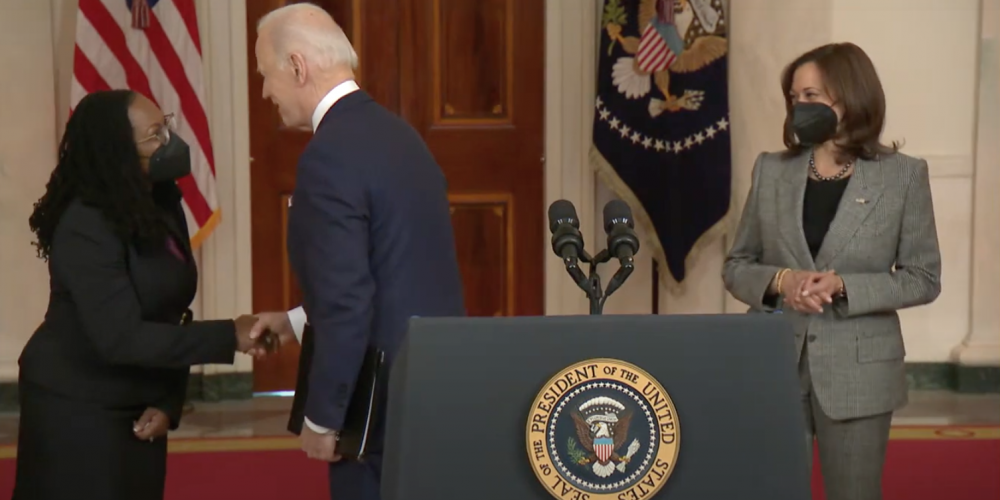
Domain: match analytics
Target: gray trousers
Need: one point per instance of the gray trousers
(851, 452)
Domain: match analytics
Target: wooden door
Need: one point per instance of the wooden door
(468, 75)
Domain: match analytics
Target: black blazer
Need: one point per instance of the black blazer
(113, 332)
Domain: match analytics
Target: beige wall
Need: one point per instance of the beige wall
(27, 151)
(982, 344)
(926, 52)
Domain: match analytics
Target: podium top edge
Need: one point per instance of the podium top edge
(636, 319)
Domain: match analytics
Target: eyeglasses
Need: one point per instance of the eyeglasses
(162, 134)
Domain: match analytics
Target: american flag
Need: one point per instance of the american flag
(152, 47)
(654, 54)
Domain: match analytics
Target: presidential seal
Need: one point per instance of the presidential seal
(603, 429)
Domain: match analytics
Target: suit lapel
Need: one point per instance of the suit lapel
(860, 196)
(791, 192)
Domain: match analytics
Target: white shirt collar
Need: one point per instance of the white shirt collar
(330, 99)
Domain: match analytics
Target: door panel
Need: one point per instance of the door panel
(456, 72)
(480, 109)
(472, 60)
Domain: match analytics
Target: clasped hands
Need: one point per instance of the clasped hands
(808, 291)
(263, 334)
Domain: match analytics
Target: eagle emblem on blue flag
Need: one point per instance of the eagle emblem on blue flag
(661, 131)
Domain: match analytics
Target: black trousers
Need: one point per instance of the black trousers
(350, 480)
(70, 450)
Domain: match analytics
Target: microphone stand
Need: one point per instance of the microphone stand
(593, 289)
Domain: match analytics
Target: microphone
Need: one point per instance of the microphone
(567, 242)
(622, 241)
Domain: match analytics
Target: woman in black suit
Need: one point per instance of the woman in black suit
(104, 376)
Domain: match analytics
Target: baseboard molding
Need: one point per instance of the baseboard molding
(8, 396)
(220, 386)
(201, 387)
(919, 376)
(949, 376)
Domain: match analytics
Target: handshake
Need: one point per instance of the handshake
(263, 334)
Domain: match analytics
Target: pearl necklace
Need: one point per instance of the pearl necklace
(837, 176)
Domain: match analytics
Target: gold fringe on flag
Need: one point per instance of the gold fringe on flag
(607, 174)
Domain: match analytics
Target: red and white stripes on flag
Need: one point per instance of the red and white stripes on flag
(654, 54)
(152, 47)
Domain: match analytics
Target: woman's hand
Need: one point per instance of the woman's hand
(152, 424)
(826, 287)
(801, 290)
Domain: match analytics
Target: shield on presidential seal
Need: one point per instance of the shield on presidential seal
(603, 448)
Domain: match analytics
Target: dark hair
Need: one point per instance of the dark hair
(99, 164)
(851, 80)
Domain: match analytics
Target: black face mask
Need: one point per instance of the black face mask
(170, 161)
(813, 123)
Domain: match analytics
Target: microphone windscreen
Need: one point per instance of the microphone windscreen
(616, 212)
(562, 211)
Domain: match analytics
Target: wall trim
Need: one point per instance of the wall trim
(919, 377)
(220, 386)
(570, 56)
(947, 166)
(953, 377)
(201, 387)
(226, 266)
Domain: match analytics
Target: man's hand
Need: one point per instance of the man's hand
(319, 446)
(256, 346)
(152, 424)
(276, 323)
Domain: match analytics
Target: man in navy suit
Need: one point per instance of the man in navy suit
(369, 231)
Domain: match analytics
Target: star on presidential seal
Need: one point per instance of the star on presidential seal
(603, 429)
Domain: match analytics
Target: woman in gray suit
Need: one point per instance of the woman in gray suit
(838, 234)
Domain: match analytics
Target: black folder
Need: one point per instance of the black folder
(362, 411)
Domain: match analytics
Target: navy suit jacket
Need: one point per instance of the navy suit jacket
(370, 241)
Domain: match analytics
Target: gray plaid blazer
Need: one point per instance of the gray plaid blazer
(882, 242)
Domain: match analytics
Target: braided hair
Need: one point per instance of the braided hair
(99, 164)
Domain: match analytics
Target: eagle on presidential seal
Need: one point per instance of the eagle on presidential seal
(675, 36)
(602, 429)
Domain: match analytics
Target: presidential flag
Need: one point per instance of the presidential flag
(152, 47)
(661, 129)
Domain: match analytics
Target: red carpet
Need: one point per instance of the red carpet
(922, 464)
(938, 464)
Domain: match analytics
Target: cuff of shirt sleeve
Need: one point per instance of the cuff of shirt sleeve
(319, 429)
(297, 317)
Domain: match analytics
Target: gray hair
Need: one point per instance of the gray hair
(325, 46)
